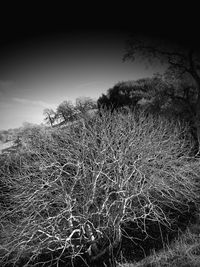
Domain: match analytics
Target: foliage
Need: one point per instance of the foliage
(122, 94)
(65, 111)
(74, 189)
(84, 104)
(158, 94)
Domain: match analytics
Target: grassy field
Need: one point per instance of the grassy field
(115, 189)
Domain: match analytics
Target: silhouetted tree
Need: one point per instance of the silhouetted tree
(103, 102)
(182, 61)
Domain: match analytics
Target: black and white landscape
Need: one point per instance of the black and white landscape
(99, 147)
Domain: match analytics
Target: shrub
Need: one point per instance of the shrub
(74, 189)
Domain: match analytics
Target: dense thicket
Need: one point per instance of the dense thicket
(80, 191)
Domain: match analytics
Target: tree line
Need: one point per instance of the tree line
(67, 112)
(157, 94)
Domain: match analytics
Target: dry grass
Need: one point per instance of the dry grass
(183, 252)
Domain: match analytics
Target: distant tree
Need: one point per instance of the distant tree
(182, 61)
(84, 104)
(50, 116)
(118, 96)
(66, 111)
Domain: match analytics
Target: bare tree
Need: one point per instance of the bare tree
(50, 116)
(182, 61)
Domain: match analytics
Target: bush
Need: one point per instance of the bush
(74, 189)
